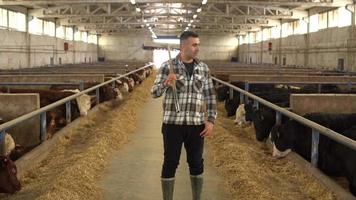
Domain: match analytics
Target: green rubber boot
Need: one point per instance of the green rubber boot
(167, 188)
(197, 186)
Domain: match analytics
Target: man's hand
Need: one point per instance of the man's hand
(208, 130)
(170, 79)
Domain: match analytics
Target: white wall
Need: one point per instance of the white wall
(22, 50)
(129, 47)
(325, 48)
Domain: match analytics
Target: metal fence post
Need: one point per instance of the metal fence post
(256, 104)
(315, 146)
(349, 84)
(114, 84)
(242, 98)
(68, 112)
(81, 86)
(231, 93)
(43, 124)
(97, 95)
(319, 88)
(2, 142)
(247, 88)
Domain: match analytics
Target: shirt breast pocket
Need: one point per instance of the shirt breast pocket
(198, 83)
(180, 83)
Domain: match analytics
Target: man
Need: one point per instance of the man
(196, 97)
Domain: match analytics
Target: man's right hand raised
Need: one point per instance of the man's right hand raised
(170, 79)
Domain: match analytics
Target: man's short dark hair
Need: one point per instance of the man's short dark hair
(187, 34)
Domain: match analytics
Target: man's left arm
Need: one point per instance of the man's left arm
(210, 98)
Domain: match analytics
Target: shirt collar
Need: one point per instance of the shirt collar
(178, 61)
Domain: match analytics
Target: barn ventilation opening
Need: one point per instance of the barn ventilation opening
(160, 56)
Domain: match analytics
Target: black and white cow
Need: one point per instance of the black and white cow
(263, 119)
(294, 136)
(347, 159)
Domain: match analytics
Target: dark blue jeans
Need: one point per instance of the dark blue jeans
(174, 136)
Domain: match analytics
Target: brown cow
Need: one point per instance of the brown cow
(8, 176)
(56, 117)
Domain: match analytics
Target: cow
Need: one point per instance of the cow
(56, 117)
(334, 159)
(347, 159)
(8, 176)
(263, 119)
(137, 79)
(130, 82)
(294, 136)
(8, 171)
(222, 92)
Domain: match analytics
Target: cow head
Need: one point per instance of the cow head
(281, 142)
(249, 109)
(263, 121)
(8, 176)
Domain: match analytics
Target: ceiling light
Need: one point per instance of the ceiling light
(195, 16)
(204, 2)
(133, 2)
(199, 10)
(145, 20)
(138, 9)
(189, 24)
(147, 25)
(191, 21)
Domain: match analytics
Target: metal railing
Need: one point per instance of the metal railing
(42, 111)
(317, 129)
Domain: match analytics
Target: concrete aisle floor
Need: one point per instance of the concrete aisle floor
(134, 173)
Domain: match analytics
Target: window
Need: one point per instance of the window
(92, 39)
(35, 26)
(49, 28)
(259, 36)
(3, 18)
(287, 29)
(84, 37)
(323, 21)
(276, 31)
(60, 32)
(17, 21)
(313, 23)
(69, 33)
(77, 36)
(266, 34)
(344, 17)
(302, 27)
(245, 40)
(333, 18)
(251, 38)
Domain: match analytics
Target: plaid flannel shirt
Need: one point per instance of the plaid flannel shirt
(196, 94)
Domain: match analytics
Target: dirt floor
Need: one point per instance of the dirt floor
(73, 167)
(251, 172)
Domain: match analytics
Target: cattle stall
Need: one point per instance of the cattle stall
(96, 85)
(316, 131)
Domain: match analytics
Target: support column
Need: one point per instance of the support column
(28, 40)
(248, 48)
(280, 46)
(351, 41)
(307, 43)
(73, 41)
(261, 56)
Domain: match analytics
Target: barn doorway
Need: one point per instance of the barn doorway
(160, 56)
